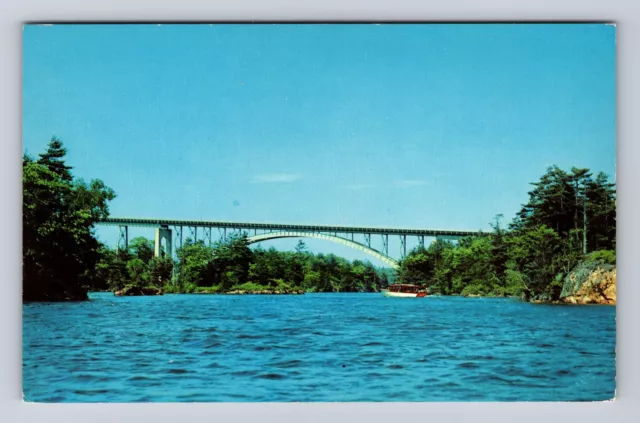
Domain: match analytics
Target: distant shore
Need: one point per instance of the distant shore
(598, 289)
(587, 284)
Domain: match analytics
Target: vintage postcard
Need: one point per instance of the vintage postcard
(319, 212)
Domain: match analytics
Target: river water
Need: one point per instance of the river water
(315, 347)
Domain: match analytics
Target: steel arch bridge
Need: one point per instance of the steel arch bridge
(339, 240)
(171, 232)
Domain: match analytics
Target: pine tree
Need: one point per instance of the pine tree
(53, 159)
(601, 212)
(301, 247)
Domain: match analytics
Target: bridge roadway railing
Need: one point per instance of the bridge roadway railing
(155, 223)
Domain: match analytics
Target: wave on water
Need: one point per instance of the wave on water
(340, 347)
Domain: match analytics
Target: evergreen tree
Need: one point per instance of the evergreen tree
(53, 159)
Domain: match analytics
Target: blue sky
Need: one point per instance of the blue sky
(425, 126)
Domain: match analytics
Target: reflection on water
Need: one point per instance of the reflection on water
(316, 347)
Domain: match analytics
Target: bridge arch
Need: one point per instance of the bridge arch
(338, 240)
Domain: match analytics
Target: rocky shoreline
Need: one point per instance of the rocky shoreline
(588, 284)
(595, 285)
(264, 292)
(598, 288)
(132, 291)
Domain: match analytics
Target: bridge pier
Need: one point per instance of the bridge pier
(163, 233)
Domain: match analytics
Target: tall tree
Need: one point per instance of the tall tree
(534, 254)
(301, 247)
(601, 203)
(53, 159)
(499, 249)
(580, 179)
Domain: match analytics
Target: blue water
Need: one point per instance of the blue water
(315, 347)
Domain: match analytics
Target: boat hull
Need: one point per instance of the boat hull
(404, 294)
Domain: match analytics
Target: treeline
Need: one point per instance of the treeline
(570, 219)
(231, 265)
(59, 250)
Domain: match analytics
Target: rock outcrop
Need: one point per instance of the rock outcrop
(134, 291)
(596, 285)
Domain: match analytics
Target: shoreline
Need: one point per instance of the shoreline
(567, 301)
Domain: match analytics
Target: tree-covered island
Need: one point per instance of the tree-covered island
(560, 246)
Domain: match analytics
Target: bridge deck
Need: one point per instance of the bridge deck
(154, 223)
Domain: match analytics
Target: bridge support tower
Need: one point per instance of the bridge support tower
(163, 233)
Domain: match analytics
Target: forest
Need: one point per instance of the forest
(568, 221)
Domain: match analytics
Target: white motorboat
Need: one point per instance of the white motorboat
(404, 291)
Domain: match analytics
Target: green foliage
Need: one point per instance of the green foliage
(231, 261)
(579, 208)
(231, 265)
(160, 270)
(603, 256)
(135, 267)
(514, 283)
(195, 264)
(281, 285)
(188, 288)
(568, 215)
(250, 287)
(208, 289)
(53, 159)
(172, 289)
(142, 248)
(475, 289)
(60, 252)
(533, 254)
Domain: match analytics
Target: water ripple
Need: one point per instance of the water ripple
(316, 347)
(271, 376)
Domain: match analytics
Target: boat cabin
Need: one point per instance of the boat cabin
(409, 288)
